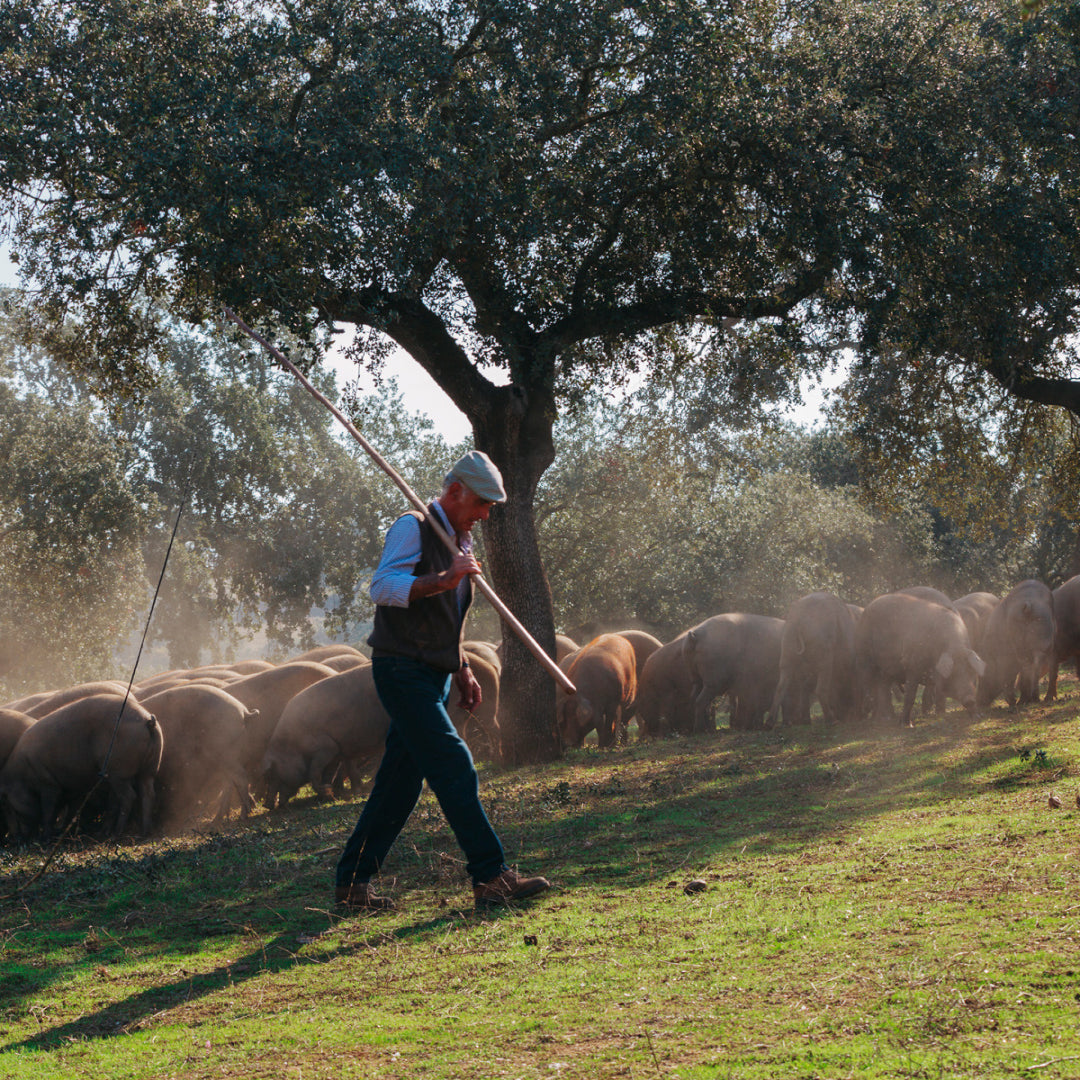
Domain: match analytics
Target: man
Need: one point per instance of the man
(422, 592)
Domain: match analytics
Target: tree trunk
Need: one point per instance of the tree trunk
(1074, 562)
(516, 433)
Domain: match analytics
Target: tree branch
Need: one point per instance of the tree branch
(462, 52)
(1039, 389)
(424, 336)
(677, 307)
(605, 243)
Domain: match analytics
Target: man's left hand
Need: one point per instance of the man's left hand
(469, 689)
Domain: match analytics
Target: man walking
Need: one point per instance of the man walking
(422, 593)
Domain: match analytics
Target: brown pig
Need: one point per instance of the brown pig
(735, 654)
(911, 641)
(1018, 644)
(203, 758)
(817, 658)
(268, 692)
(60, 759)
(605, 675)
(1066, 631)
(665, 692)
(338, 721)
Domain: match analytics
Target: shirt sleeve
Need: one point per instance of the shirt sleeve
(393, 577)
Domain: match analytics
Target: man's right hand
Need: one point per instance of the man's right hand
(463, 564)
(444, 580)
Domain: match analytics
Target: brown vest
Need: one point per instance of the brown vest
(430, 628)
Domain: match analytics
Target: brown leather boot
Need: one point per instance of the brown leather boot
(362, 896)
(507, 887)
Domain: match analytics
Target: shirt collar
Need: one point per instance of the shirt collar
(464, 540)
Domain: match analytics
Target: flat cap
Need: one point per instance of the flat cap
(478, 473)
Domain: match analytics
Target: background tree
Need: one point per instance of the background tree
(280, 518)
(644, 523)
(72, 579)
(528, 197)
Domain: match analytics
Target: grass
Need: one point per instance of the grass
(877, 904)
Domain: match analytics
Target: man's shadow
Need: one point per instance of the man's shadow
(266, 959)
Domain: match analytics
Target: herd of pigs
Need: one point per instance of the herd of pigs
(850, 659)
(185, 743)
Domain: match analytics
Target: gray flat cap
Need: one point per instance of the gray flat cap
(478, 473)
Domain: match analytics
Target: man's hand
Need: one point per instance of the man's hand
(444, 580)
(463, 564)
(469, 688)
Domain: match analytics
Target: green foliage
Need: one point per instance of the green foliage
(544, 184)
(1002, 479)
(649, 517)
(644, 522)
(279, 518)
(72, 580)
(275, 516)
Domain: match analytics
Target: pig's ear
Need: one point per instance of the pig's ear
(944, 666)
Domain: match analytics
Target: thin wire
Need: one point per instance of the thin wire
(102, 774)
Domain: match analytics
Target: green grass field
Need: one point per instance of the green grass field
(881, 904)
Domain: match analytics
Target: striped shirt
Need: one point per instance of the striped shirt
(393, 577)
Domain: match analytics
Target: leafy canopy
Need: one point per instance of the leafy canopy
(518, 184)
(281, 524)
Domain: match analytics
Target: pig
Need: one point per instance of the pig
(69, 694)
(344, 662)
(1018, 644)
(643, 644)
(605, 675)
(324, 652)
(911, 641)
(817, 658)
(268, 692)
(735, 654)
(480, 729)
(336, 722)
(12, 725)
(203, 757)
(1066, 631)
(487, 650)
(975, 609)
(665, 698)
(59, 760)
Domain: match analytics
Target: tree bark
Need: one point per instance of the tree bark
(515, 431)
(1074, 562)
(513, 425)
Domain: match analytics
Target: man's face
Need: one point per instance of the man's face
(464, 508)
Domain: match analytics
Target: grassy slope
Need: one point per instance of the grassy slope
(893, 904)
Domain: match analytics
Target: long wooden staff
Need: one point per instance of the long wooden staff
(533, 646)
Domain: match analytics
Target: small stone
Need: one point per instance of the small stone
(695, 886)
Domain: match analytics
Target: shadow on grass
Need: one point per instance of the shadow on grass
(626, 819)
(267, 959)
